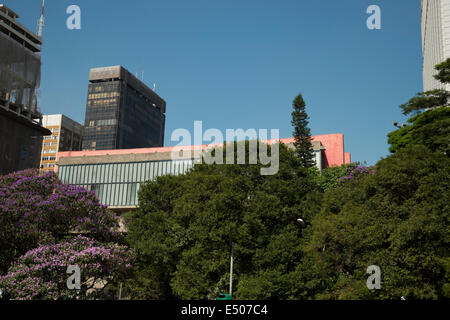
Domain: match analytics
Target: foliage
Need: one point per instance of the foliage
(38, 209)
(434, 98)
(41, 272)
(302, 133)
(397, 219)
(430, 128)
(38, 212)
(426, 100)
(184, 228)
(443, 70)
(430, 125)
(331, 177)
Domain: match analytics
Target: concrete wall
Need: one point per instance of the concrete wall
(333, 155)
(348, 158)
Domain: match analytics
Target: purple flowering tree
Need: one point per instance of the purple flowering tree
(355, 172)
(38, 212)
(41, 272)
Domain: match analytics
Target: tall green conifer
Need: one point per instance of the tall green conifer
(302, 133)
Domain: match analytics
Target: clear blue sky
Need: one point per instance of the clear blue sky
(239, 63)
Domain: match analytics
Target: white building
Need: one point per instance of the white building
(435, 39)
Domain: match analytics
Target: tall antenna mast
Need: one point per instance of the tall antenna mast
(41, 21)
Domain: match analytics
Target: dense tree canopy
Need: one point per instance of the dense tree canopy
(397, 219)
(394, 215)
(184, 228)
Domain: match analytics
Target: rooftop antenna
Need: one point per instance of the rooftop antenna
(142, 74)
(41, 21)
(154, 87)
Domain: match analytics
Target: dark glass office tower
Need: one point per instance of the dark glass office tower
(122, 112)
(21, 128)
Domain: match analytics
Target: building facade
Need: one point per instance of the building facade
(66, 135)
(117, 175)
(435, 39)
(122, 112)
(20, 73)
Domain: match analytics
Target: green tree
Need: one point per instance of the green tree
(329, 177)
(396, 219)
(443, 71)
(430, 124)
(184, 228)
(430, 128)
(434, 98)
(302, 133)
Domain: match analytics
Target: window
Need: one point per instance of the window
(47, 165)
(109, 122)
(50, 144)
(48, 158)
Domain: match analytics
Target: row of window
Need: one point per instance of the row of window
(108, 122)
(96, 103)
(48, 158)
(103, 95)
(50, 144)
(49, 151)
(47, 165)
(50, 137)
(105, 87)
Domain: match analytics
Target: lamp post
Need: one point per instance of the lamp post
(231, 268)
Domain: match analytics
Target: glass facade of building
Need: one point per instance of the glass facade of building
(117, 184)
(20, 73)
(102, 115)
(121, 112)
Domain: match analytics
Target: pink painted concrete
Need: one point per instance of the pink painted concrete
(334, 148)
(348, 158)
(333, 153)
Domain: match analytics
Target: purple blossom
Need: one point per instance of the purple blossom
(37, 212)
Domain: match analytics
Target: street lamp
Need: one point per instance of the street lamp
(303, 224)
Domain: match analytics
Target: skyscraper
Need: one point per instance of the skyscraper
(20, 73)
(435, 39)
(122, 112)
